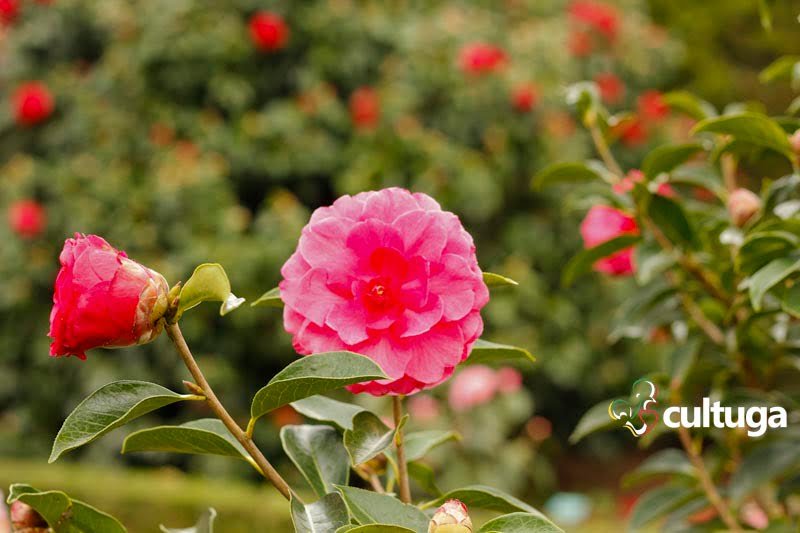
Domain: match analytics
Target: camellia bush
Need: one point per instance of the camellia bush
(383, 296)
(709, 230)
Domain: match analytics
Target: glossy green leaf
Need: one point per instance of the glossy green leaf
(593, 420)
(368, 507)
(688, 103)
(208, 283)
(791, 301)
(682, 359)
(657, 502)
(108, 408)
(671, 219)
(664, 463)
(666, 158)
(207, 436)
(318, 452)
(752, 128)
(271, 298)
(375, 528)
(760, 248)
(583, 261)
(765, 463)
(314, 374)
(368, 438)
(651, 261)
(419, 443)
(425, 477)
(496, 280)
(782, 69)
(561, 173)
(326, 515)
(326, 409)
(483, 497)
(702, 177)
(204, 524)
(493, 354)
(770, 275)
(520, 523)
(64, 514)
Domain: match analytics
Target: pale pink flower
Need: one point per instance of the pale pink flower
(473, 386)
(509, 380)
(423, 408)
(390, 275)
(603, 223)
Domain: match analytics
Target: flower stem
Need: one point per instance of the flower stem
(264, 466)
(402, 466)
(604, 151)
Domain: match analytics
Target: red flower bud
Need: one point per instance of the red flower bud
(365, 108)
(611, 87)
(482, 58)
(25, 518)
(652, 106)
(27, 218)
(525, 97)
(103, 299)
(451, 517)
(742, 205)
(268, 31)
(9, 9)
(32, 102)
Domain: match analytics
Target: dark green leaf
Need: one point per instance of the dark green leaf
(271, 298)
(520, 523)
(314, 374)
(682, 359)
(205, 524)
(671, 219)
(484, 497)
(368, 438)
(108, 408)
(690, 104)
(325, 409)
(425, 477)
(207, 436)
(703, 177)
(583, 262)
(791, 301)
(326, 515)
(752, 128)
(665, 462)
(491, 353)
(375, 528)
(770, 275)
(496, 280)
(595, 419)
(419, 443)
(368, 507)
(760, 248)
(318, 452)
(665, 158)
(62, 513)
(658, 502)
(208, 283)
(765, 463)
(568, 173)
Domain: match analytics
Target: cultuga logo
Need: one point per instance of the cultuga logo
(757, 419)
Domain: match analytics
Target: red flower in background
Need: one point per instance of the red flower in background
(32, 102)
(601, 17)
(473, 386)
(652, 106)
(9, 10)
(626, 184)
(603, 223)
(631, 132)
(482, 58)
(580, 43)
(103, 299)
(27, 218)
(612, 89)
(525, 97)
(268, 31)
(365, 108)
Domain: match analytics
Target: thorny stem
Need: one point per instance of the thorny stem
(264, 467)
(405, 490)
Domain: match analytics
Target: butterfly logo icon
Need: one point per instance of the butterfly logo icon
(643, 396)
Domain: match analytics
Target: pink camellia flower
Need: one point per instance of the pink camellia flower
(742, 205)
(603, 223)
(509, 380)
(482, 58)
(365, 108)
(268, 31)
(525, 97)
(27, 218)
(652, 106)
(473, 386)
(33, 103)
(103, 299)
(626, 184)
(451, 517)
(601, 17)
(390, 275)
(423, 408)
(25, 518)
(9, 10)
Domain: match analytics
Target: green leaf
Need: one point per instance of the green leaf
(326, 515)
(682, 359)
(665, 158)
(760, 248)
(368, 438)
(765, 14)
(205, 524)
(791, 301)
(207, 436)
(425, 477)
(491, 353)
(651, 261)
(749, 127)
(658, 502)
(779, 70)
(765, 463)
(496, 280)
(520, 523)
(108, 408)
(665, 462)
(770, 275)
(671, 219)
(583, 262)
(593, 420)
(703, 177)
(568, 173)
(419, 443)
(318, 452)
(208, 283)
(368, 507)
(484, 497)
(271, 298)
(62, 513)
(690, 104)
(375, 528)
(326, 409)
(314, 374)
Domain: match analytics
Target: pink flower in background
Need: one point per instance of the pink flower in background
(423, 408)
(103, 299)
(268, 31)
(580, 43)
(632, 132)
(390, 275)
(603, 223)
(365, 108)
(626, 184)
(611, 87)
(601, 17)
(482, 58)
(27, 218)
(33, 103)
(9, 10)
(742, 205)
(754, 515)
(652, 106)
(525, 97)
(473, 386)
(509, 380)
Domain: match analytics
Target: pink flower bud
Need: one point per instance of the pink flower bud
(451, 517)
(103, 299)
(473, 386)
(794, 141)
(742, 205)
(25, 518)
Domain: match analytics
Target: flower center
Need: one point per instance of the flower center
(378, 295)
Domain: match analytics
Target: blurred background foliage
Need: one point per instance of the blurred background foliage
(179, 140)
